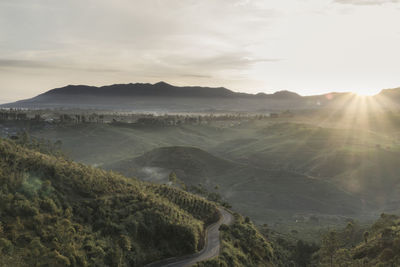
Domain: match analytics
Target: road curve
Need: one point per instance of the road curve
(210, 250)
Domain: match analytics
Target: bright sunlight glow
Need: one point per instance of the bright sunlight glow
(367, 92)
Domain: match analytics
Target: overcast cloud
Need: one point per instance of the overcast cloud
(307, 46)
(367, 2)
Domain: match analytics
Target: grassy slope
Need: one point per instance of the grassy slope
(381, 248)
(253, 191)
(192, 165)
(360, 162)
(99, 144)
(60, 213)
(349, 158)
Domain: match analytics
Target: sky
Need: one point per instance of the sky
(305, 46)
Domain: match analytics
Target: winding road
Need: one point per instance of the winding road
(210, 250)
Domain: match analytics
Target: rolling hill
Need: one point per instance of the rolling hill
(59, 213)
(55, 212)
(189, 163)
(361, 162)
(253, 191)
(270, 168)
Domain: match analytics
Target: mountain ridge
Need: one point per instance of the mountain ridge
(162, 96)
(142, 89)
(157, 89)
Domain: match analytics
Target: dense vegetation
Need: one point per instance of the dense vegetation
(379, 245)
(243, 245)
(54, 212)
(292, 250)
(268, 169)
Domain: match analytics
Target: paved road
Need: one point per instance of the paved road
(210, 250)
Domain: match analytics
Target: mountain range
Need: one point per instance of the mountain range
(162, 96)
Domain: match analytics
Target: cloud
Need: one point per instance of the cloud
(34, 64)
(366, 2)
(192, 75)
(137, 37)
(236, 60)
(229, 61)
(15, 63)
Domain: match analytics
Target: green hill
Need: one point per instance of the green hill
(360, 162)
(54, 212)
(271, 166)
(377, 245)
(191, 164)
(254, 191)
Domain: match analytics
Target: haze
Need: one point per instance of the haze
(306, 46)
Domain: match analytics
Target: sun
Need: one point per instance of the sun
(366, 92)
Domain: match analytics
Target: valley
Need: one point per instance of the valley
(288, 178)
(284, 168)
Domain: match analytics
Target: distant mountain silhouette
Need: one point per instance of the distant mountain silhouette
(161, 89)
(165, 97)
(390, 93)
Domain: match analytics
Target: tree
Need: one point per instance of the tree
(302, 253)
(366, 235)
(174, 180)
(125, 243)
(350, 232)
(24, 138)
(172, 177)
(330, 244)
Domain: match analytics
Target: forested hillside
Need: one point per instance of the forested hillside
(243, 245)
(377, 245)
(54, 212)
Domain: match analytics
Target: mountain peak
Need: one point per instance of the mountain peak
(162, 83)
(286, 94)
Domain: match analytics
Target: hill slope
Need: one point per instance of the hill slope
(189, 163)
(377, 245)
(253, 191)
(363, 163)
(58, 213)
